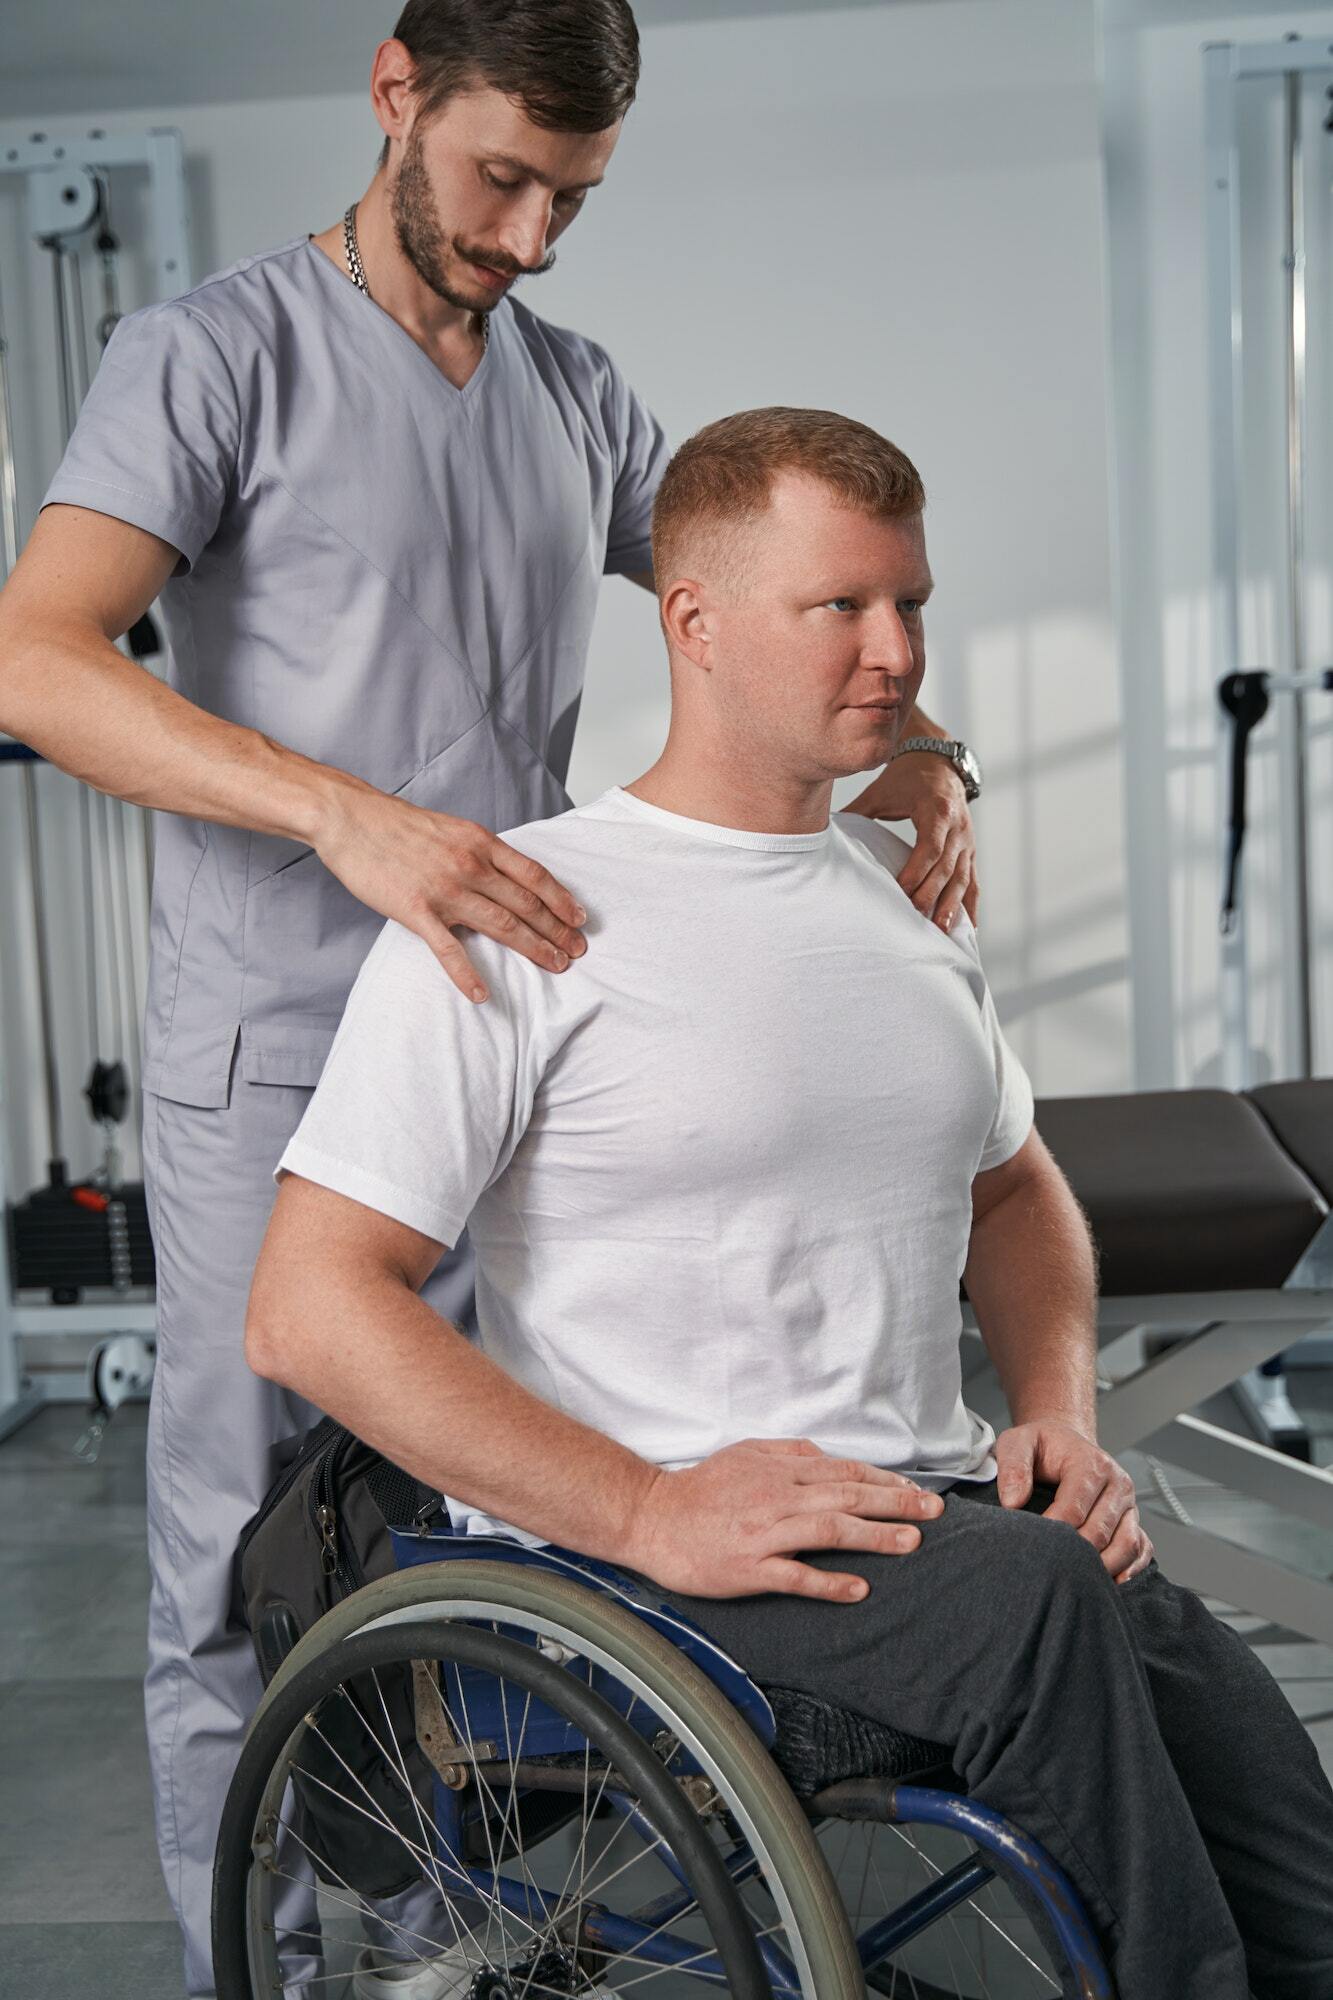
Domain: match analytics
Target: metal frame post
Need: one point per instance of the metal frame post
(161, 152)
(1226, 67)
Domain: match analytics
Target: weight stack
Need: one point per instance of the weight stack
(67, 1239)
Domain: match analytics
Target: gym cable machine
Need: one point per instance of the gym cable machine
(77, 1256)
(1246, 694)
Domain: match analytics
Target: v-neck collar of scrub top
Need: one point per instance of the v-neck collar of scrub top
(357, 300)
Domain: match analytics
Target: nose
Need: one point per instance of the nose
(523, 237)
(887, 644)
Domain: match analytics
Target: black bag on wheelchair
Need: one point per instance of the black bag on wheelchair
(321, 1532)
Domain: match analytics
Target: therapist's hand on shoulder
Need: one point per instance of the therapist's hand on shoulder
(430, 871)
(730, 1525)
(940, 874)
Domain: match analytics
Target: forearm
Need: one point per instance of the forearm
(67, 691)
(373, 1354)
(1031, 1280)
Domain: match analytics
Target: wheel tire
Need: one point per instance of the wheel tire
(794, 1865)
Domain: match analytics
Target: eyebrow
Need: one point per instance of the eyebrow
(917, 588)
(522, 167)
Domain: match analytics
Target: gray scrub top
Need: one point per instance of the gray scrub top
(391, 575)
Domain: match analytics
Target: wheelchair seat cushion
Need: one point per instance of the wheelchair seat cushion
(819, 1744)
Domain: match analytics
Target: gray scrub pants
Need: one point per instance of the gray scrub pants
(217, 1437)
(1123, 1726)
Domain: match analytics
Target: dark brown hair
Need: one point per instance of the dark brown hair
(572, 64)
(721, 478)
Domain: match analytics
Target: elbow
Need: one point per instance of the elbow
(13, 668)
(270, 1318)
(261, 1353)
(272, 1311)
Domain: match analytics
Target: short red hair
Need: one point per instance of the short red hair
(721, 479)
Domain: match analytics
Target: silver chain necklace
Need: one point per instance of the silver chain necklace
(358, 271)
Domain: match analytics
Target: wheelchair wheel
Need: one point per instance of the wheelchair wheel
(505, 1739)
(965, 1926)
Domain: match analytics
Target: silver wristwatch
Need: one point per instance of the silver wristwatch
(963, 760)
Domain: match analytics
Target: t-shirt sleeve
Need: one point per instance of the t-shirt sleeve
(1014, 1107)
(642, 453)
(157, 437)
(424, 1094)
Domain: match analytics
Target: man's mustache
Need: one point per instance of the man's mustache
(505, 266)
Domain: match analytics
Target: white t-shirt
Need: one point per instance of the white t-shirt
(717, 1174)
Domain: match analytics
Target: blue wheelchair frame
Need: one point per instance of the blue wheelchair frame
(483, 1698)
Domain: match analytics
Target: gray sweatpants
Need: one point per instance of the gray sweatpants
(1122, 1726)
(217, 1437)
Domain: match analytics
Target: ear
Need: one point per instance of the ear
(391, 76)
(686, 620)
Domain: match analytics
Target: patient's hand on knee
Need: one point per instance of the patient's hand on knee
(1093, 1493)
(729, 1526)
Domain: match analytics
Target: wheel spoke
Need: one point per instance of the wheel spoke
(554, 1849)
(358, 1904)
(935, 1871)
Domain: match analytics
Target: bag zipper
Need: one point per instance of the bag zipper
(314, 1446)
(339, 1562)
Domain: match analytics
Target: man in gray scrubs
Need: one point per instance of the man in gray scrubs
(375, 496)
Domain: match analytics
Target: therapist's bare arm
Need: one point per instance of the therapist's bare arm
(335, 1314)
(65, 689)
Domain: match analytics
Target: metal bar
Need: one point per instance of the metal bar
(96, 149)
(1318, 681)
(1281, 58)
(42, 956)
(92, 960)
(1224, 369)
(166, 162)
(926, 1907)
(1244, 1466)
(1296, 878)
(1195, 1309)
(1184, 1376)
(1206, 1563)
(118, 1315)
(1192, 1310)
(9, 505)
(19, 1400)
(78, 326)
(64, 360)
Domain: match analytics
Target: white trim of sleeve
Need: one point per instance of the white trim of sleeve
(403, 1204)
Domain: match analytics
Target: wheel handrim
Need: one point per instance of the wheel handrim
(411, 1596)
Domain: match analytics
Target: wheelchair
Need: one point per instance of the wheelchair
(530, 1737)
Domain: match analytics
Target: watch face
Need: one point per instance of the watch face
(968, 764)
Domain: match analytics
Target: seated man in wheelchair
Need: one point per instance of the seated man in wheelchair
(722, 1178)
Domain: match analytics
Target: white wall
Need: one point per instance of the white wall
(1157, 192)
(895, 212)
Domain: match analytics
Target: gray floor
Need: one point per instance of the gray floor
(82, 1906)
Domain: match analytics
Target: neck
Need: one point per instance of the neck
(394, 283)
(730, 791)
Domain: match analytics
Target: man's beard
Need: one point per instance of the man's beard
(416, 224)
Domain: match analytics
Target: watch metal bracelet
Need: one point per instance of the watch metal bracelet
(958, 754)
